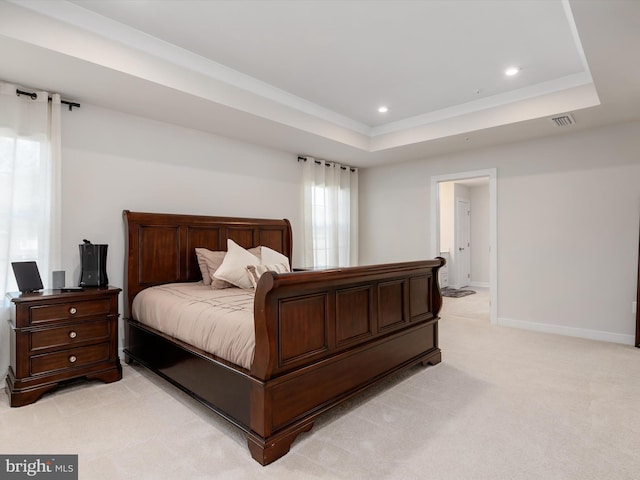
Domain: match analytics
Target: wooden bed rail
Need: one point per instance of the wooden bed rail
(304, 317)
(324, 336)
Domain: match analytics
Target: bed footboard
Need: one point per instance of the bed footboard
(322, 337)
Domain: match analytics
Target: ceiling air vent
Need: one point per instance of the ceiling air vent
(563, 120)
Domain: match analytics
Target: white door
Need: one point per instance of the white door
(462, 242)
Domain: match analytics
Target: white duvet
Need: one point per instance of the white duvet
(219, 322)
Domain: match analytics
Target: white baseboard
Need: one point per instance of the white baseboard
(568, 331)
(480, 284)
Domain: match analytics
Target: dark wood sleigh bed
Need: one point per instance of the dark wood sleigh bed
(320, 336)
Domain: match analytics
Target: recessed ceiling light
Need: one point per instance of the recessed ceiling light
(511, 71)
(383, 109)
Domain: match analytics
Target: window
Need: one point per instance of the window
(29, 190)
(330, 214)
(23, 183)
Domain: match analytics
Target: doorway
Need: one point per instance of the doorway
(452, 232)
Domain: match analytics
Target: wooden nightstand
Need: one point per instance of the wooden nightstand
(58, 336)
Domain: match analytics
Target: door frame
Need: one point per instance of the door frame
(492, 173)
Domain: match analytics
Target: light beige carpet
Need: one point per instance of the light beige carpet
(503, 404)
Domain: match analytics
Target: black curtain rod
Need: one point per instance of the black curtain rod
(34, 95)
(304, 159)
(318, 162)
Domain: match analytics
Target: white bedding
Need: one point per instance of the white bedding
(219, 322)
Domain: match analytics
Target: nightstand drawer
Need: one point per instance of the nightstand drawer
(64, 336)
(72, 358)
(63, 311)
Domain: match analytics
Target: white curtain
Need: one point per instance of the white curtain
(30, 170)
(330, 214)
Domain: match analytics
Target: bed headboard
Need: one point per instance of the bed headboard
(161, 247)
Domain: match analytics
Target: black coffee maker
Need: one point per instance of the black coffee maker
(93, 265)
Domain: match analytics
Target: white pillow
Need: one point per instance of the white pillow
(254, 272)
(271, 257)
(257, 252)
(232, 269)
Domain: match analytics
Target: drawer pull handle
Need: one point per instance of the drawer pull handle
(73, 310)
(73, 359)
(72, 334)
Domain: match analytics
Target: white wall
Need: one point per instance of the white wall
(113, 161)
(568, 215)
(479, 197)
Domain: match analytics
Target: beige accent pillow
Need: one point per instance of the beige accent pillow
(232, 269)
(209, 261)
(254, 272)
